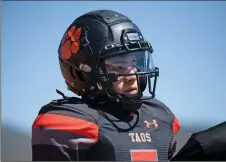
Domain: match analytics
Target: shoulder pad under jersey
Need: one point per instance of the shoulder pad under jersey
(69, 118)
(162, 112)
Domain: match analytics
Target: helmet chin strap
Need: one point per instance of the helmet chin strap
(128, 103)
(131, 106)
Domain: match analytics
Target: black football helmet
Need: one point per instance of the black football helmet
(93, 42)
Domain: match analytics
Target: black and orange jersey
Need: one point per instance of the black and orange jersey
(69, 129)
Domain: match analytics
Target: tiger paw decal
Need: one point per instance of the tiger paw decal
(70, 42)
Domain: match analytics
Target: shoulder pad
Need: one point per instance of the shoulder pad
(159, 109)
(162, 112)
(72, 107)
(65, 121)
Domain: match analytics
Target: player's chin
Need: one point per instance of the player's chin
(131, 92)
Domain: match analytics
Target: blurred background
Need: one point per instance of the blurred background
(189, 39)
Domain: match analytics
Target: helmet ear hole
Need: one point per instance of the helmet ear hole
(76, 74)
(80, 75)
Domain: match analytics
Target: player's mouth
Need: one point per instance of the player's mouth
(130, 91)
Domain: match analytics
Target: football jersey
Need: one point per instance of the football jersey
(69, 129)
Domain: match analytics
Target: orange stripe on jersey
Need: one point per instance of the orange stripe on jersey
(144, 155)
(66, 123)
(176, 125)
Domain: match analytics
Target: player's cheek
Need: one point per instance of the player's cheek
(118, 85)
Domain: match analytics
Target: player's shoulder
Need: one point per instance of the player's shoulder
(158, 109)
(73, 109)
(67, 118)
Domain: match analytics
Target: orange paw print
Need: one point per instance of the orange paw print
(70, 42)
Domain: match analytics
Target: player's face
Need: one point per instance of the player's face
(124, 65)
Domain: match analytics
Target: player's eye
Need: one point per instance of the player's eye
(120, 67)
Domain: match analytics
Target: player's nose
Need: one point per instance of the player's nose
(130, 78)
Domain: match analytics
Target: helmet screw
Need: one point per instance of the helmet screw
(91, 88)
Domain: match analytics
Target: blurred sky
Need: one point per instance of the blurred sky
(189, 39)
